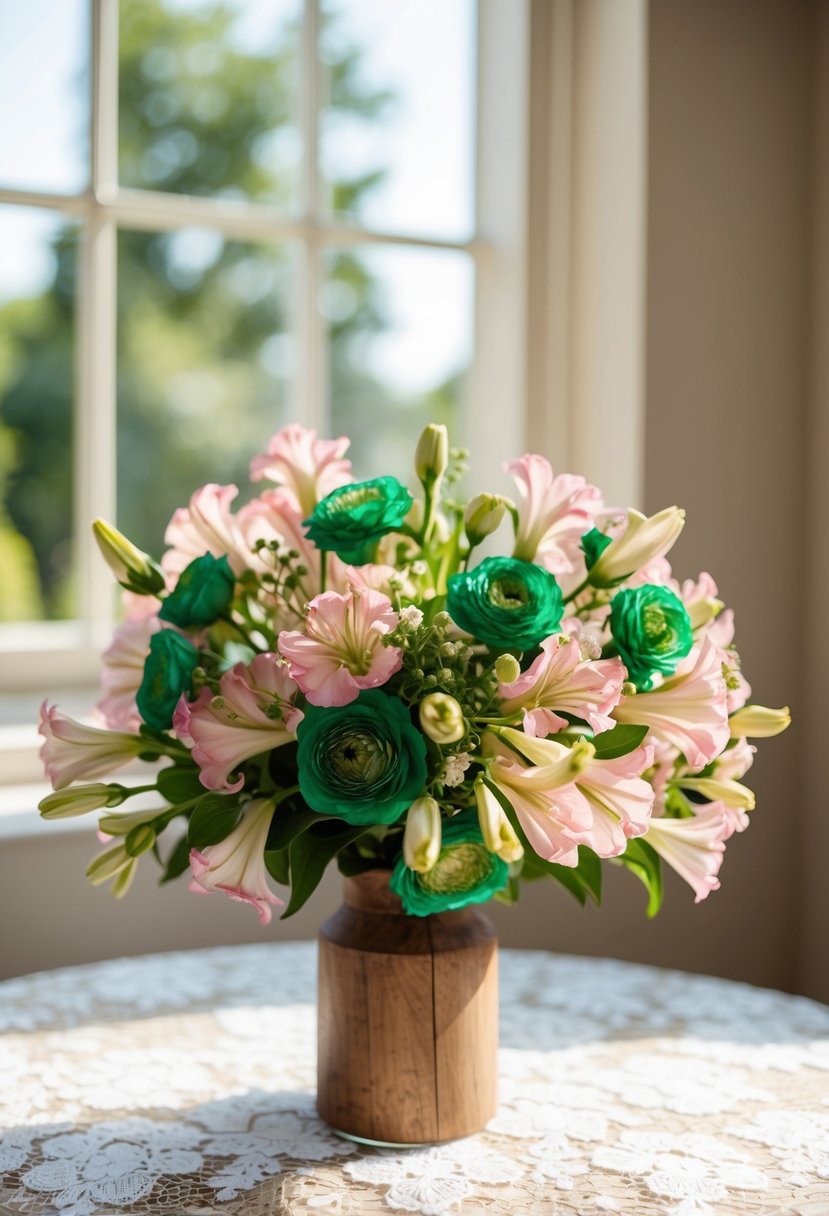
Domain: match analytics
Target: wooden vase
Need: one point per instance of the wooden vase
(408, 1019)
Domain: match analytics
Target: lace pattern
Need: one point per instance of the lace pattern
(185, 1083)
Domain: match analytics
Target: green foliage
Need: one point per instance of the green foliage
(582, 881)
(309, 854)
(177, 861)
(640, 858)
(213, 818)
(179, 784)
(624, 738)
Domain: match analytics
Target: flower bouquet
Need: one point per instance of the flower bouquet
(336, 671)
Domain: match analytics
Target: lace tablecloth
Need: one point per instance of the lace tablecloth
(183, 1083)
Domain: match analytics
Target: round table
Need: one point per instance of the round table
(184, 1083)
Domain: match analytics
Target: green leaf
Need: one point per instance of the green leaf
(288, 822)
(624, 738)
(350, 864)
(179, 784)
(178, 861)
(641, 859)
(277, 863)
(509, 894)
(139, 839)
(310, 852)
(213, 818)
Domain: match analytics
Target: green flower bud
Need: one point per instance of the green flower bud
(432, 454)
(204, 592)
(79, 799)
(441, 718)
(465, 872)
(168, 672)
(421, 839)
(482, 516)
(507, 669)
(363, 762)
(758, 722)
(133, 568)
(506, 603)
(652, 632)
(352, 518)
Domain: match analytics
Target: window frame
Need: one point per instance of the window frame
(67, 653)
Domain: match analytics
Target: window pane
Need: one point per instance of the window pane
(204, 361)
(397, 136)
(44, 94)
(208, 97)
(37, 292)
(400, 339)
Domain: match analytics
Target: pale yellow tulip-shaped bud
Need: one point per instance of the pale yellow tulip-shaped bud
(80, 799)
(758, 722)
(482, 516)
(703, 611)
(497, 831)
(644, 539)
(726, 790)
(432, 454)
(441, 718)
(421, 838)
(507, 669)
(133, 568)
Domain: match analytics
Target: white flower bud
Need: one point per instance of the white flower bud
(482, 516)
(497, 831)
(133, 568)
(432, 454)
(507, 669)
(441, 718)
(704, 611)
(422, 836)
(719, 789)
(643, 540)
(758, 722)
(79, 799)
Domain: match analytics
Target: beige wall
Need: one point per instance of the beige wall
(733, 408)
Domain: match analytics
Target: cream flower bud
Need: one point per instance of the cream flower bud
(758, 722)
(432, 453)
(643, 540)
(703, 611)
(507, 669)
(421, 839)
(441, 718)
(719, 789)
(497, 831)
(482, 516)
(79, 799)
(133, 568)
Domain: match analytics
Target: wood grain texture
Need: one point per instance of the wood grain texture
(408, 1019)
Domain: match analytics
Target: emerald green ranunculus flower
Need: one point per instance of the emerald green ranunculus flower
(168, 672)
(352, 518)
(506, 603)
(593, 545)
(464, 873)
(203, 592)
(364, 762)
(652, 632)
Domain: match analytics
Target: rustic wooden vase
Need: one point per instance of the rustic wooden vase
(408, 1019)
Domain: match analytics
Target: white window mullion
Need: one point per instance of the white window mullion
(309, 397)
(498, 380)
(95, 491)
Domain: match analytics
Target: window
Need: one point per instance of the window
(219, 215)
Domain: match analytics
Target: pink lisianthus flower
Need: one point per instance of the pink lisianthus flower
(558, 679)
(689, 710)
(206, 525)
(73, 751)
(308, 468)
(694, 847)
(554, 514)
(236, 865)
(253, 713)
(608, 797)
(123, 671)
(736, 761)
(341, 651)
